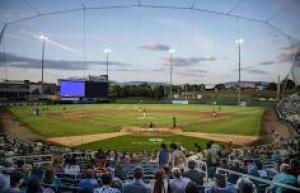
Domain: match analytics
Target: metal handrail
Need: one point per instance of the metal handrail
(258, 179)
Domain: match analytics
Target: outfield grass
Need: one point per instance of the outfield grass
(69, 120)
(139, 143)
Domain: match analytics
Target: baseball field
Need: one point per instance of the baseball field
(133, 127)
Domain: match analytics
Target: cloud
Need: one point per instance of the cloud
(288, 53)
(153, 46)
(158, 70)
(184, 62)
(137, 70)
(267, 63)
(252, 70)
(190, 74)
(256, 71)
(27, 62)
(245, 68)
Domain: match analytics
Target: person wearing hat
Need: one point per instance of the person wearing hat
(193, 174)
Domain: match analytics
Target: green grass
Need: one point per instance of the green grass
(139, 143)
(99, 118)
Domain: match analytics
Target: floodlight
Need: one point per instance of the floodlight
(171, 50)
(107, 51)
(44, 37)
(239, 41)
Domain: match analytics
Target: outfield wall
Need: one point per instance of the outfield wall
(253, 102)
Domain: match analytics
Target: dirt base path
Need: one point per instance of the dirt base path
(235, 139)
(272, 126)
(13, 128)
(72, 141)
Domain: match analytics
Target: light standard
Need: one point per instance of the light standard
(107, 52)
(171, 52)
(44, 39)
(239, 42)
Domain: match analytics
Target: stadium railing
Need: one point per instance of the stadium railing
(265, 181)
(39, 160)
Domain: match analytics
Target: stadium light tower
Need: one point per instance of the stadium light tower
(107, 52)
(171, 52)
(44, 39)
(239, 42)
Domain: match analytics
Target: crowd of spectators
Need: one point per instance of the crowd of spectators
(171, 169)
(288, 109)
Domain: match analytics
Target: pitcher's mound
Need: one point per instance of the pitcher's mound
(151, 131)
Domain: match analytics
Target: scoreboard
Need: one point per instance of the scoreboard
(96, 89)
(83, 89)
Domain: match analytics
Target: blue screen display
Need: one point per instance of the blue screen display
(69, 88)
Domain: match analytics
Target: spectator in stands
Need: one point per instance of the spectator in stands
(220, 185)
(152, 158)
(9, 166)
(178, 157)
(193, 174)
(111, 157)
(134, 158)
(51, 179)
(71, 167)
(137, 186)
(159, 184)
(192, 188)
(117, 184)
(120, 171)
(295, 167)
(107, 181)
(212, 157)
(88, 182)
(100, 156)
(27, 172)
(125, 159)
(283, 177)
(37, 172)
(260, 170)
(101, 166)
(166, 169)
(34, 186)
(163, 156)
(257, 169)
(178, 184)
(57, 166)
(16, 180)
(235, 166)
(4, 182)
(245, 185)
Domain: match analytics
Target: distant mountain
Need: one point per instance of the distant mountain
(141, 82)
(247, 84)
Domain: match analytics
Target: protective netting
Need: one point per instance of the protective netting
(140, 32)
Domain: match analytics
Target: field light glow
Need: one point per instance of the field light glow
(107, 51)
(239, 41)
(171, 51)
